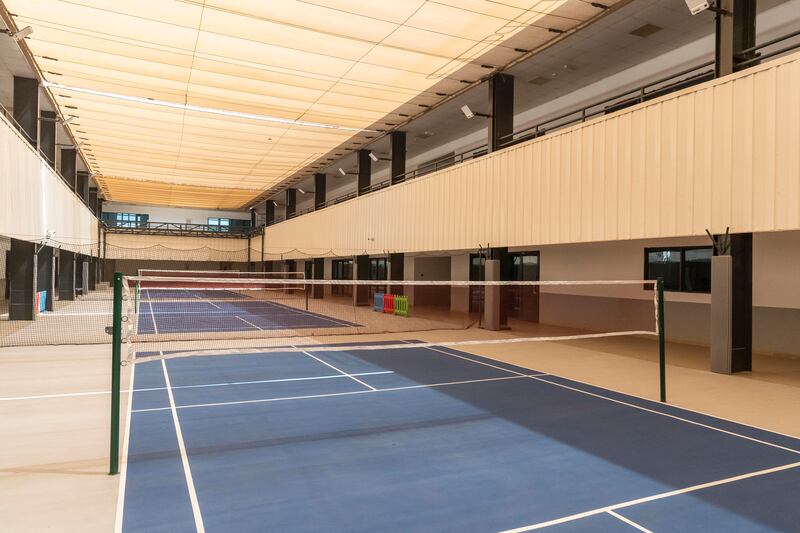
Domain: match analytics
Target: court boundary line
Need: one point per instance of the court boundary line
(340, 322)
(542, 379)
(628, 521)
(123, 474)
(248, 323)
(337, 369)
(187, 470)
(178, 387)
(153, 317)
(653, 497)
(334, 394)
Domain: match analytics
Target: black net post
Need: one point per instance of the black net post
(662, 347)
(116, 364)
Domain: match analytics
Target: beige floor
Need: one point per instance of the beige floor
(54, 451)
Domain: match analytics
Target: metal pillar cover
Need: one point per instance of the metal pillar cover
(398, 141)
(501, 104)
(319, 190)
(22, 280)
(364, 172)
(66, 275)
(26, 107)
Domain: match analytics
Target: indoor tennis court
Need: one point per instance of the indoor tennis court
(419, 265)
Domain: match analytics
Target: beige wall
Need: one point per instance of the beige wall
(34, 200)
(724, 153)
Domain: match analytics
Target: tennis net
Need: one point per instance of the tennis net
(172, 316)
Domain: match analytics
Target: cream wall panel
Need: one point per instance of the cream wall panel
(35, 200)
(721, 154)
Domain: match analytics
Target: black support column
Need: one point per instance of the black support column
(361, 292)
(318, 291)
(66, 275)
(68, 169)
(47, 137)
(742, 302)
(26, 107)
(291, 202)
(21, 271)
(320, 183)
(79, 288)
(252, 218)
(364, 172)
(45, 277)
(501, 105)
(398, 140)
(82, 185)
(269, 212)
(93, 201)
(736, 31)
(397, 266)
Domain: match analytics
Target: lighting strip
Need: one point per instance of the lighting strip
(200, 109)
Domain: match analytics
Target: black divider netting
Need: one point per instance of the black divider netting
(174, 316)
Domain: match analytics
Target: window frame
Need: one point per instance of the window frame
(682, 267)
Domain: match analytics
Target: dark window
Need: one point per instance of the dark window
(378, 269)
(525, 266)
(477, 267)
(342, 269)
(125, 220)
(683, 269)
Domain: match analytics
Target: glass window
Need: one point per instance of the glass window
(525, 266)
(665, 264)
(378, 269)
(697, 270)
(477, 267)
(682, 269)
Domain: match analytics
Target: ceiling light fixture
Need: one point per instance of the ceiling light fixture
(469, 113)
(373, 156)
(68, 120)
(200, 109)
(342, 172)
(301, 191)
(19, 35)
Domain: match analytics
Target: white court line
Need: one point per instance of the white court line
(629, 522)
(668, 415)
(315, 315)
(248, 322)
(759, 441)
(337, 369)
(653, 497)
(123, 474)
(198, 518)
(153, 317)
(333, 394)
(204, 385)
(474, 361)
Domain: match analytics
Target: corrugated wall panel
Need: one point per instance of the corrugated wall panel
(721, 154)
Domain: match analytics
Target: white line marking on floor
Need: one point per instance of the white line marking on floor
(540, 378)
(629, 522)
(153, 317)
(198, 518)
(759, 441)
(474, 361)
(333, 394)
(123, 474)
(654, 497)
(248, 322)
(222, 384)
(367, 385)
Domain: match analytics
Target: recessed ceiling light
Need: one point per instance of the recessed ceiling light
(646, 30)
(540, 80)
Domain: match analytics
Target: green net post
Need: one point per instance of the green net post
(116, 367)
(662, 345)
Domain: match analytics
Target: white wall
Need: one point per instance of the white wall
(34, 200)
(174, 214)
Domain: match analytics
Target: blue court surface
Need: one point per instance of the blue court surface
(196, 311)
(432, 439)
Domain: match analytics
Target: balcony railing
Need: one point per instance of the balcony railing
(180, 229)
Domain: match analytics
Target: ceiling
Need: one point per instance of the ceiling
(229, 99)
